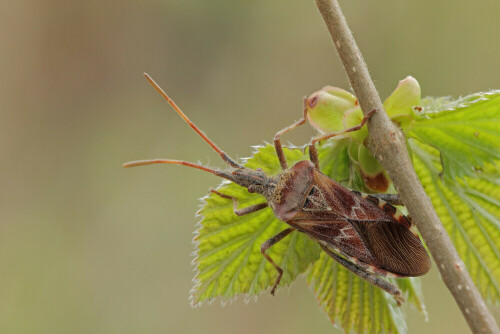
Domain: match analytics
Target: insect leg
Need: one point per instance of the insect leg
(240, 212)
(277, 140)
(269, 243)
(313, 153)
(393, 199)
(367, 276)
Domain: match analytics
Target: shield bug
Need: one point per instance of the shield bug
(364, 233)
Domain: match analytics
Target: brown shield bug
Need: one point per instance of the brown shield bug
(364, 233)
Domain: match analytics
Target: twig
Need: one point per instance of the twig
(388, 144)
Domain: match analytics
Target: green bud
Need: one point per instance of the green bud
(373, 173)
(351, 119)
(399, 106)
(326, 108)
(353, 151)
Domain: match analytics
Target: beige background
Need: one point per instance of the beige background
(89, 247)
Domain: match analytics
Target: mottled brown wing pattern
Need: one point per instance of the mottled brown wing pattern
(338, 234)
(315, 201)
(362, 227)
(342, 201)
(396, 249)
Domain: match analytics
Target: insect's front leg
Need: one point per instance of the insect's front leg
(240, 212)
(277, 140)
(268, 244)
(313, 153)
(367, 276)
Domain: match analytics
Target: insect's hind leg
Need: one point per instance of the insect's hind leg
(277, 140)
(268, 244)
(367, 276)
(240, 212)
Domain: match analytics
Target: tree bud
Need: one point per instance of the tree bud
(399, 105)
(326, 108)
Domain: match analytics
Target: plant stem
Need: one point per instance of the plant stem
(388, 145)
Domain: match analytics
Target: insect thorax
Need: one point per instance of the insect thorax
(291, 189)
(283, 182)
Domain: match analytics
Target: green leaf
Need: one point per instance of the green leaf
(353, 303)
(465, 131)
(228, 259)
(469, 209)
(334, 160)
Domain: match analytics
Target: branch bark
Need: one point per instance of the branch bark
(388, 145)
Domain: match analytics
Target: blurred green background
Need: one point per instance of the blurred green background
(89, 247)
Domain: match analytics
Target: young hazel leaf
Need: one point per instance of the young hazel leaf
(469, 209)
(228, 258)
(353, 303)
(465, 131)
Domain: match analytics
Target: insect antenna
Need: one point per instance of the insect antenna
(223, 155)
(178, 162)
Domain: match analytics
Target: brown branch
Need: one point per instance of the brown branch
(388, 144)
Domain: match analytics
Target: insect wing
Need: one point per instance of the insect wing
(372, 232)
(395, 247)
(344, 202)
(337, 233)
